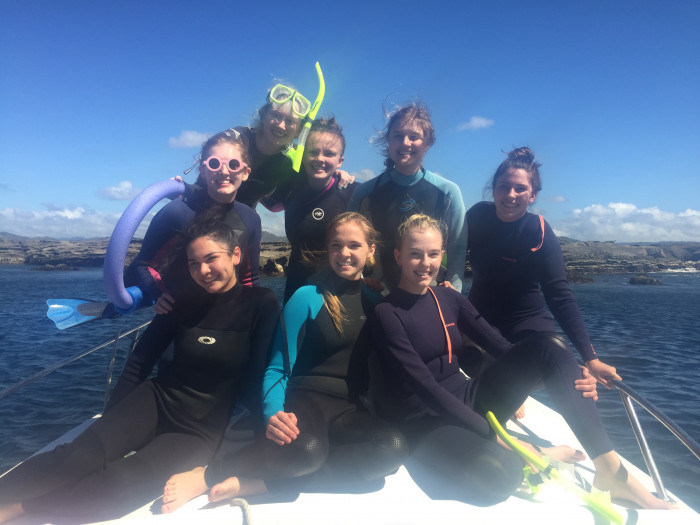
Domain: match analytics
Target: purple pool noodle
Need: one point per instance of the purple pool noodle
(113, 274)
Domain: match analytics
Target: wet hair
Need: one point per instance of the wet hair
(520, 159)
(325, 279)
(420, 221)
(211, 226)
(415, 111)
(209, 223)
(331, 126)
(230, 136)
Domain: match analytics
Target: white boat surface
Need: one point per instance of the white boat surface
(399, 500)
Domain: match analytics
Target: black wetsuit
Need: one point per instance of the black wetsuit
(511, 261)
(435, 404)
(174, 422)
(269, 173)
(307, 213)
(313, 377)
(173, 219)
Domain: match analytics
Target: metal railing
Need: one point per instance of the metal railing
(133, 332)
(628, 394)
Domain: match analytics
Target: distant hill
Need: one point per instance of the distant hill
(5, 236)
(271, 237)
(582, 258)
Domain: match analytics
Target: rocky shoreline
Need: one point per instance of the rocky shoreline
(583, 258)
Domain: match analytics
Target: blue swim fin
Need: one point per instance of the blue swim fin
(71, 312)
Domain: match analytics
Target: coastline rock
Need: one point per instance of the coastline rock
(582, 258)
(644, 279)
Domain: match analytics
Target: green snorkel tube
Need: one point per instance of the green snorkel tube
(595, 502)
(298, 152)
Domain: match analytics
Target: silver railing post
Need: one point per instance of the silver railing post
(108, 384)
(643, 446)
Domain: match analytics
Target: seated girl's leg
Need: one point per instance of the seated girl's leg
(129, 482)
(506, 384)
(451, 462)
(104, 441)
(308, 452)
(364, 447)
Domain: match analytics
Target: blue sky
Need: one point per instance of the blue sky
(100, 99)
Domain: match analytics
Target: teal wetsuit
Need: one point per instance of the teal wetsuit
(391, 198)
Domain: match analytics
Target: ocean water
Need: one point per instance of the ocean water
(650, 333)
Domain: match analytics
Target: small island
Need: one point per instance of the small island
(644, 279)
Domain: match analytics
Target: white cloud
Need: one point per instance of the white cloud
(624, 222)
(476, 123)
(188, 139)
(556, 198)
(123, 191)
(64, 223)
(363, 175)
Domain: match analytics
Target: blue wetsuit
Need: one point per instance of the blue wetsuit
(307, 213)
(390, 198)
(434, 404)
(174, 421)
(173, 219)
(511, 261)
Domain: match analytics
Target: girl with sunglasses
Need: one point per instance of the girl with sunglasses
(441, 410)
(224, 166)
(406, 187)
(315, 422)
(153, 428)
(514, 254)
(315, 201)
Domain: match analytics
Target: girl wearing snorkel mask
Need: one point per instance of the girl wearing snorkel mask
(277, 125)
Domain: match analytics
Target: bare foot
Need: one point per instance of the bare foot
(520, 413)
(181, 488)
(563, 453)
(10, 511)
(234, 487)
(612, 476)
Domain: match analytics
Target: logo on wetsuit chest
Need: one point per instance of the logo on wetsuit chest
(407, 205)
(206, 340)
(318, 214)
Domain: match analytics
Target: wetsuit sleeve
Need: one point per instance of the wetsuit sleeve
(360, 194)
(304, 304)
(150, 347)
(394, 345)
(557, 293)
(249, 269)
(479, 330)
(171, 219)
(457, 231)
(260, 348)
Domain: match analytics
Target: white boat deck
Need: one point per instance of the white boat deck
(401, 501)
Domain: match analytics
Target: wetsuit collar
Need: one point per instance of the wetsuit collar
(403, 180)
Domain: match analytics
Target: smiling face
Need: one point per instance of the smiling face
(279, 128)
(512, 194)
(419, 258)
(348, 250)
(211, 265)
(222, 185)
(407, 146)
(322, 157)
